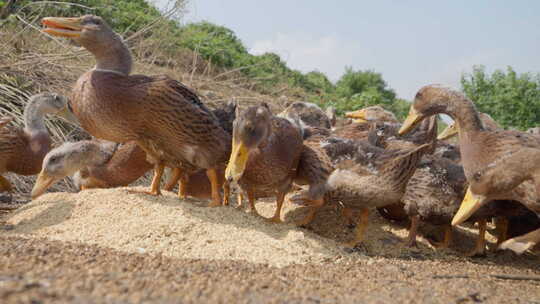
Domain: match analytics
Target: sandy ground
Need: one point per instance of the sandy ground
(114, 246)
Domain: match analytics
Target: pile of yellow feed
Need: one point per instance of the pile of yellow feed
(166, 225)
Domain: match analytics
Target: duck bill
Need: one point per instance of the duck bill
(43, 182)
(63, 27)
(412, 120)
(449, 132)
(357, 116)
(237, 162)
(67, 115)
(469, 205)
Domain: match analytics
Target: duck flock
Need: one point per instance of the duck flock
(365, 161)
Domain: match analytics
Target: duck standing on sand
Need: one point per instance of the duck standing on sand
(164, 117)
(265, 154)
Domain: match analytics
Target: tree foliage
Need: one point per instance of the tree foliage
(512, 100)
(220, 46)
(215, 43)
(358, 89)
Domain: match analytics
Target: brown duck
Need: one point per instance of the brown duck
(434, 194)
(104, 164)
(452, 129)
(97, 164)
(372, 113)
(22, 150)
(368, 180)
(495, 162)
(164, 117)
(265, 155)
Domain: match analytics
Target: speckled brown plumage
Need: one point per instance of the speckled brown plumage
(268, 152)
(164, 117)
(309, 114)
(128, 163)
(381, 182)
(495, 162)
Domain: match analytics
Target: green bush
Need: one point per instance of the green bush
(512, 100)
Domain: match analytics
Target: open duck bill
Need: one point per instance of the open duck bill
(64, 27)
(358, 116)
(237, 162)
(471, 202)
(43, 182)
(412, 120)
(449, 132)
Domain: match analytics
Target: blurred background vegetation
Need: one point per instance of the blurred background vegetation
(512, 99)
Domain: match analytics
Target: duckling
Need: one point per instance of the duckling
(22, 150)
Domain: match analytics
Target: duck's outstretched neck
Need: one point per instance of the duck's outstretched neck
(34, 113)
(113, 55)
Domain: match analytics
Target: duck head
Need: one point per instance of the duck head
(251, 127)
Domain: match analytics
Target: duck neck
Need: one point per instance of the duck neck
(34, 113)
(464, 113)
(113, 56)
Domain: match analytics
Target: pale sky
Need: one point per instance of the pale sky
(412, 43)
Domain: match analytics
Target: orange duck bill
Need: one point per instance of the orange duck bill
(64, 27)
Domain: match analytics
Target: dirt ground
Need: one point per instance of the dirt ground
(41, 271)
(48, 256)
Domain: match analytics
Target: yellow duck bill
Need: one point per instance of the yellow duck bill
(237, 162)
(43, 182)
(357, 116)
(63, 27)
(449, 132)
(471, 202)
(412, 120)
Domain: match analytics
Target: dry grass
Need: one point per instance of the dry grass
(32, 62)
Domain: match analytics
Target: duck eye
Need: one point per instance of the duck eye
(477, 176)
